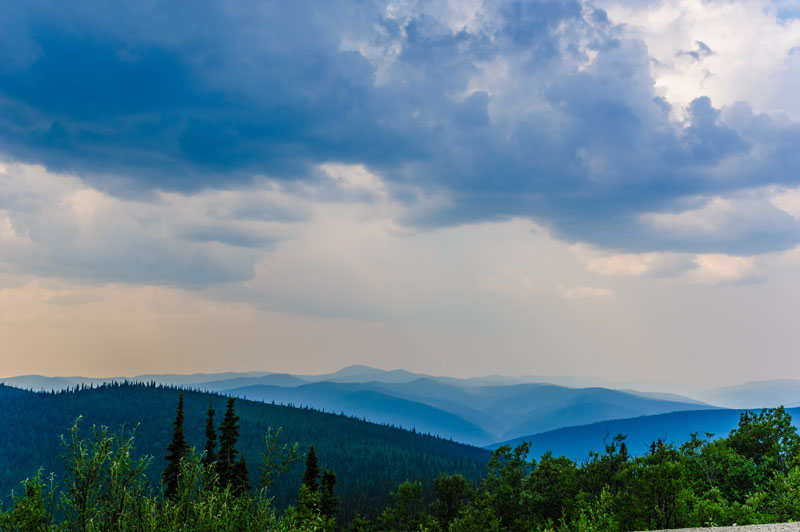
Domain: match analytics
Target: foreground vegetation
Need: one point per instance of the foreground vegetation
(751, 476)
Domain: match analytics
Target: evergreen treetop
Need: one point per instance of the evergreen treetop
(210, 457)
(232, 471)
(240, 484)
(177, 450)
(329, 503)
(311, 476)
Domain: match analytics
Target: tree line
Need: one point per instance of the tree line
(30, 425)
(750, 476)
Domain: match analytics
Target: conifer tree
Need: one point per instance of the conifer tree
(241, 478)
(210, 457)
(311, 476)
(231, 471)
(329, 503)
(177, 450)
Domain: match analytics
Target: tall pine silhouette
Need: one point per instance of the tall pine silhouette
(232, 472)
(329, 503)
(176, 451)
(316, 498)
(311, 476)
(241, 477)
(210, 456)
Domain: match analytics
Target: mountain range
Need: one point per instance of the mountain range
(482, 411)
(758, 394)
(478, 411)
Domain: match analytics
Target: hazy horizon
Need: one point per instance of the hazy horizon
(571, 381)
(605, 189)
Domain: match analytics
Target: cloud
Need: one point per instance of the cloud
(102, 274)
(719, 223)
(586, 292)
(701, 50)
(714, 269)
(544, 110)
(653, 264)
(685, 268)
(306, 185)
(57, 226)
(729, 50)
(788, 200)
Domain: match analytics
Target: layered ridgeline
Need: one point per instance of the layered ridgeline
(472, 414)
(758, 394)
(478, 411)
(370, 460)
(677, 427)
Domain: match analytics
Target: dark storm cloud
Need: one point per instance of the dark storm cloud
(205, 94)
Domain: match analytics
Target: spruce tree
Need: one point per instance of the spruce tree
(329, 503)
(231, 471)
(177, 450)
(311, 476)
(210, 457)
(241, 478)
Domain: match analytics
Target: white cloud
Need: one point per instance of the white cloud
(713, 218)
(72, 230)
(753, 215)
(788, 200)
(702, 268)
(748, 53)
(57, 225)
(630, 264)
(716, 268)
(355, 177)
(585, 292)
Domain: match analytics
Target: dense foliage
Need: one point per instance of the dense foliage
(369, 460)
(750, 476)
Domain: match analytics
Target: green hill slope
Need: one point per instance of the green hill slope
(370, 460)
(360, 401)
(576, 442)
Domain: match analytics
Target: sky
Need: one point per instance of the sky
(606, 189)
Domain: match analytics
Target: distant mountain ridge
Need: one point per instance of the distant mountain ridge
(757, 394)
(368, 403)
(352, 373)
(477, 411)
(576, 442)
(472, 414)
(41, 382)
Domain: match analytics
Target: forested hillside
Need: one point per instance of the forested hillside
(370, 460)
(750, 476)
(10, 391)
(576, 442)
